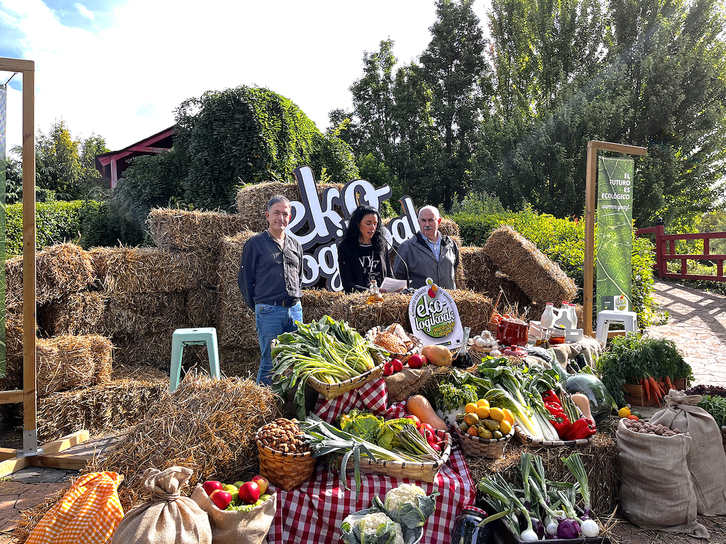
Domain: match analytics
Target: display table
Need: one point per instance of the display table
(314, 511)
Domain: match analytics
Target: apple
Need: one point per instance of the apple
(221, 498)
(238, 484)
(387, 368)
(416, 361)
(397, 365)
(249, 492)
(212, 485)
(265, 497)
(229, 488)
(415, 419)
(262, 483)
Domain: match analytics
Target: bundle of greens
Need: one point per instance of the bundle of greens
(328, 350)
(398, 435)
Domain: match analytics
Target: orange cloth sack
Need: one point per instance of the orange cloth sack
(88, 514)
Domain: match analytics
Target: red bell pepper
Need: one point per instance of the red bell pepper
(582, 428)
(558, 418)
(551, 396)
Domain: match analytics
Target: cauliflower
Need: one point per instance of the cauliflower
(399, 534)
(401, 494)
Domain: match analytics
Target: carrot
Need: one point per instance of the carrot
(670, 383)
(655, 389)
(646, 389)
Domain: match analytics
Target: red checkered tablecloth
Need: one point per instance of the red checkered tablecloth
(314, 511)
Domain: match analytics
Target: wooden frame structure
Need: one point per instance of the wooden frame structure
(13, 460)
(590, 193)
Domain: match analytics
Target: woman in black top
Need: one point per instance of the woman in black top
(362, 255)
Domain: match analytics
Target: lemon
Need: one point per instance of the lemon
(470, 408)
(624, 412)
(496, 414)
(482, 412)
(482, 402)
(505, 427)
(508, 415)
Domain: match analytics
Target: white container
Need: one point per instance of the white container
(547, 320)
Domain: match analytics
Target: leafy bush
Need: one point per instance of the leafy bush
(563, 241)
(56, 222)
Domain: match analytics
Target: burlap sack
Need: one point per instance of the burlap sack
(656, 491)
(706, 457)
(169, 517)
(408, 381)
(234, 527)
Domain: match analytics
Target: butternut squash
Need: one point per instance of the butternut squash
(420, 407)
(583, 403)
(437, 355)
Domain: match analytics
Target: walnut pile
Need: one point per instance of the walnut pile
(283, 435)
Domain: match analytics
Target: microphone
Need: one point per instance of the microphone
(388, 237)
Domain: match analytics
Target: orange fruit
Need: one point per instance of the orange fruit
(508, 415)
(496, 414)
(482, 412)
(473, 430)
(470, 408)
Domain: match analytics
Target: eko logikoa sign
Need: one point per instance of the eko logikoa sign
(317, 223)
(434, 317)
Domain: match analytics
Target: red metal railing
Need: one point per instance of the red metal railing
(665, 250)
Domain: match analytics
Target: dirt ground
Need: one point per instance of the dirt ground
(622, 532)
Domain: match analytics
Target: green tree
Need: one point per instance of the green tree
(57, 159)
(454, 69)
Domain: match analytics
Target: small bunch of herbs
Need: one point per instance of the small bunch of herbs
(632, 357)
(716, 406)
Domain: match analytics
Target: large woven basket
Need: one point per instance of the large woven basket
(477, 353)
(333, 390)
(285, 470)
(475, 446)
(529, 440)
(426, 472)
(403, 357)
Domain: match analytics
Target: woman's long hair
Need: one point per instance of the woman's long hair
(352, 233)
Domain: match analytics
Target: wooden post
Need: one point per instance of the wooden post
(590, 200)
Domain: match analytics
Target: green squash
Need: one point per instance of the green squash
(600, 400)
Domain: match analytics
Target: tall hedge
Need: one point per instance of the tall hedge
(563, 241)
(249, 135)
(55, 222)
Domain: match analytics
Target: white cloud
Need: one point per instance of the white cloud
(87, 13)
(124, 82)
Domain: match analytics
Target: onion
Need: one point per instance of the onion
(551, 526)
(568, 528)
(528, 536)
(590, 528)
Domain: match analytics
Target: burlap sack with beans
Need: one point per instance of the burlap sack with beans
(706, 458)
(656, 491)
(169, 517)
(236, 526)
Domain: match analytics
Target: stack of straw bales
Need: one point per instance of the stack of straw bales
(541, 279)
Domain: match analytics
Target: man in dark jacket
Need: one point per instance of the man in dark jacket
(270, 279)
(429, 254)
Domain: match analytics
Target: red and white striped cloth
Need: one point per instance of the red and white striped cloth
(314, 511)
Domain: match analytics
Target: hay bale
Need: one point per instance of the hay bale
(538, 276)
(235, 322)
(67, 362)
(252, 200)
(147, 270)
(202, 307)
(318, 302)
(76, 314)
(450, 228)
(206, 425)
(239, 362)
(144, 313)
(59, 271)
(479, 268)
(110, 407)
(192, 231)
(154, 350)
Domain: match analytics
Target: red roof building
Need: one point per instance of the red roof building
(112, 164)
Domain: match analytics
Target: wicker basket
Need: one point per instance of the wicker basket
(475, 446)
(332, 390)
(285, 470)
(477, 353)
(403, 357)
(425, 472)
(529, 440)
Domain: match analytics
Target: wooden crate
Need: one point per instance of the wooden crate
(634, 393)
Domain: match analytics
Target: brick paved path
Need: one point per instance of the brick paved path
(698, 327)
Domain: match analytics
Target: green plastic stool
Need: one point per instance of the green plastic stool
(192, 337)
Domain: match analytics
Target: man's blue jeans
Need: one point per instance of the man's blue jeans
(272, 321)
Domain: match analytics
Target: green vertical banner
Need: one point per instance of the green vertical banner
(614, 233)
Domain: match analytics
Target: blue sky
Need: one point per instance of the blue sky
(119, 68)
